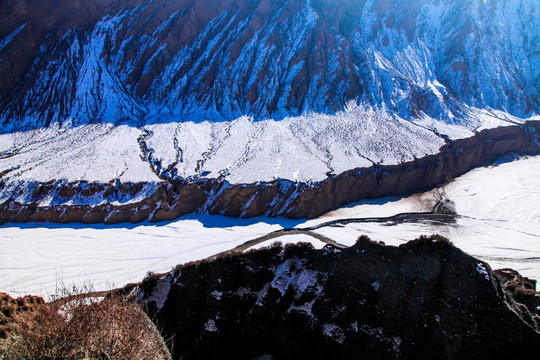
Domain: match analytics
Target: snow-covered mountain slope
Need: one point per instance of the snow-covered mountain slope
(210, 60)
(251, 91)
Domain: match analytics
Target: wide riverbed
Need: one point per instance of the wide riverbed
(498, 220)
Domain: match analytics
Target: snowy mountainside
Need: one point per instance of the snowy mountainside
(203, 60)
(249, 91)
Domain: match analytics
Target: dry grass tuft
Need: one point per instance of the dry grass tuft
(113, 328)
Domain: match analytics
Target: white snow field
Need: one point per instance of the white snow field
(100, 153)
(303, 148)
(499, 220)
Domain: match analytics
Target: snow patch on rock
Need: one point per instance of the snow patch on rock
(210, 326)
(292, 275)
(161, 292)
(305, 308)
(334, 332)
(482, 270)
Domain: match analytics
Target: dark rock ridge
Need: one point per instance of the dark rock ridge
(520, 288)
(422, 300)
(173, 198)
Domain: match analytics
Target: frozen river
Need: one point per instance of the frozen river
(498, 220)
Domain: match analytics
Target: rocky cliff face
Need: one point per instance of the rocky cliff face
(61, 201)
(284, 108)
(126, 60)
(424, 299)
(28, 27)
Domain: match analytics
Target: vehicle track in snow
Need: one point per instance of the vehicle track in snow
(509, 259)
(277, 234)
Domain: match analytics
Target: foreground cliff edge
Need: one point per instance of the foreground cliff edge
(423, 299)
(115, 202)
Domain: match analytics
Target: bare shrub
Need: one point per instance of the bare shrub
(10, 307)
(112, 328)
(276, 245)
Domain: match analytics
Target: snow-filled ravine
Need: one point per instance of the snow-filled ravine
(498, 220)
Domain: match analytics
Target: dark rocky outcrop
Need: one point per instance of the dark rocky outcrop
(174, 197)
(521, 289)
(422, 300)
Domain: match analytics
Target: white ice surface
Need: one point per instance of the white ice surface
(500, 217)
(35, 257)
